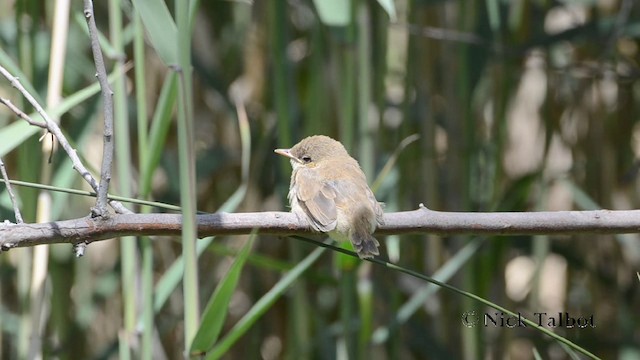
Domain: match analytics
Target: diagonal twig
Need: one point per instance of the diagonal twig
(16, 208)
(21, 114)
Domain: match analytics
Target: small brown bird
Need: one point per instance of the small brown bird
(329, 191)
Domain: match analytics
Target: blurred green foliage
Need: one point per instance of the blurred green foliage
(517, 105)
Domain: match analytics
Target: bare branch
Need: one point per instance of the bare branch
(54, 129)
(16, 208)
(100, 209)
(422, 220)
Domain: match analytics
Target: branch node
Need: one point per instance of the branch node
(79, 248)
(6, 246)
(96, 212)
(422, 207)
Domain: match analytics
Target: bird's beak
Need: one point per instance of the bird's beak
(287, 153)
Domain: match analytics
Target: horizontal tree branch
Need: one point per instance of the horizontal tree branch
(422, 220)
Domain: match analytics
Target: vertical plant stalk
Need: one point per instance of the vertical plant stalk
(464, 131)
(186, 154)
(27, 59)
(146, 247)
(128, 252)
(366, 130)
(366, 127)
(278, 25)
(281, 76)
(172, 277)
(349, 124)
(40, 306)
(100, 210)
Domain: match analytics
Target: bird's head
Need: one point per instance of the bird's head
(313, 150)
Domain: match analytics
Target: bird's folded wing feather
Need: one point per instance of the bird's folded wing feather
(318, 198)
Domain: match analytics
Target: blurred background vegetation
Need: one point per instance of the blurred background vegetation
(461, 105)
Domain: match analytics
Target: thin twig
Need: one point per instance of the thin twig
(16, 208)
(100, 209)
(422, 220)
(21, 114)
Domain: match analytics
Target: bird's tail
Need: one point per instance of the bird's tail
(364, 244)
(360, 233)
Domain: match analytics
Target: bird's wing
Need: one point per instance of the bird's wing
(357, 191)
(318, 200)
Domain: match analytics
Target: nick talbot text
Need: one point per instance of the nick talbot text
(550, 320)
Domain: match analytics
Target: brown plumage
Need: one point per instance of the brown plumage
(329, 191)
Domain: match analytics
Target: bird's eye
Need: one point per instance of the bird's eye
(306, 159)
